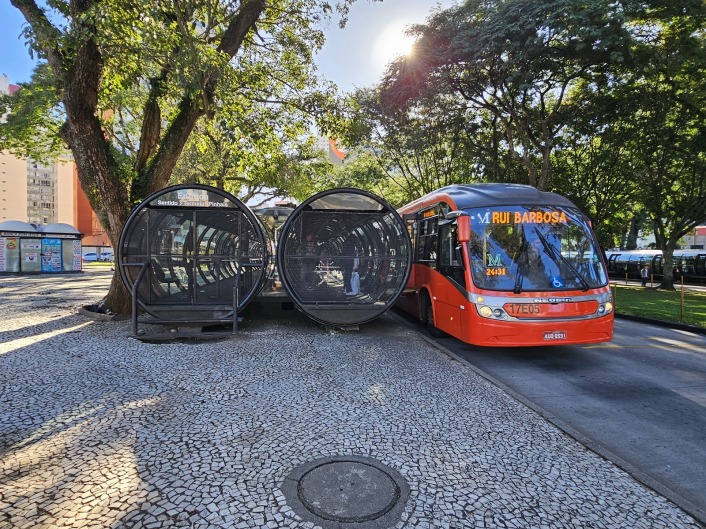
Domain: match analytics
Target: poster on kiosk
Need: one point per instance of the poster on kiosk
(51, 255)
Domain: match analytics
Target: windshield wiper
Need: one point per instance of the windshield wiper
(518, 281)
(553, 253)
(523, 256)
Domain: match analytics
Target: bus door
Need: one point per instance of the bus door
(412, 223)
(450, 294)
(426, 250)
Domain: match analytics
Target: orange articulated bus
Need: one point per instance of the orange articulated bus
(506, 265)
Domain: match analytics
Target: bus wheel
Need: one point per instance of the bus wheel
(429, 321)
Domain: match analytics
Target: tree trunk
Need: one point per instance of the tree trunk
(118, 299)
(545, 177)
(77, 64)
(633, 233)
(667, 266)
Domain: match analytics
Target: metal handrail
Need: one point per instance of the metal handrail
(140, 275)
(135, 285)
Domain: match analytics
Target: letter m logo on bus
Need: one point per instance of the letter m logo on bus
(494, 260)
(485, 218)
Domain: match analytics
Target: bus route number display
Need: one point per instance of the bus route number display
(495, 266)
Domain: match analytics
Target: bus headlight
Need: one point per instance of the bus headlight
(489, 312)
(485, 311)
(605, 309)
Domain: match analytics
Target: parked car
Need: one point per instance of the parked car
(90, 256)
(106, 256)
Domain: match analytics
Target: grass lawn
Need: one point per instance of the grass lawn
(661, 304)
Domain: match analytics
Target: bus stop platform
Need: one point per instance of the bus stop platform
(286, 424)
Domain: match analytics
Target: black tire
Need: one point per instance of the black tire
(428, 314)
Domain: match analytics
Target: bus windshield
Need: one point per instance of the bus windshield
(533, 248)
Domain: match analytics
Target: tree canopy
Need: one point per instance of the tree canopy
(601, 101)
(518, 61)
(132, 79)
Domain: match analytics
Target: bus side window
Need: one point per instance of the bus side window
(426, 251)
(448, 254)
(412, 229)
(449, 241)
(429, 249)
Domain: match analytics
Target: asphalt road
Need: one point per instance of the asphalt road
(639, 400)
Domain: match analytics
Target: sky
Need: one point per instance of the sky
(353, 57)
(356, 56)
(14, 58)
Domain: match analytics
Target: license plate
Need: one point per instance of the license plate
(555, 335)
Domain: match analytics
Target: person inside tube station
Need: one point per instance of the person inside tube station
(309, 252)
(349, 266)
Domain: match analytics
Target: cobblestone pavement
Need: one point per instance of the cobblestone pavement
(100, 430)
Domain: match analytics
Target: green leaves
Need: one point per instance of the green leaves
(520, 61)
(602, 101)
(33, 119)
(417, 148)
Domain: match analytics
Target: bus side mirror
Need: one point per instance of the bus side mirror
(458, 257)
(464, 228)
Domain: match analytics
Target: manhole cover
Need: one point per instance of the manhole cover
(347, 491)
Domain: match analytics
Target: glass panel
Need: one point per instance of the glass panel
(30, 255)
(519, 248)
(448, 242)
(67, 255)
(349, 257)
(346, 201)
(449, 255)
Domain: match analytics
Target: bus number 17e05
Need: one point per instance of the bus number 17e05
(522, 308)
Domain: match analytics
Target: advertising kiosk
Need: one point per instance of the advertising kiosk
(28, 249)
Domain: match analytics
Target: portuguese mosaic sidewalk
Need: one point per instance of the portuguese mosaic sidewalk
(100, 430)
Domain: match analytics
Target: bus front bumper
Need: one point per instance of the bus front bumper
(492, 333)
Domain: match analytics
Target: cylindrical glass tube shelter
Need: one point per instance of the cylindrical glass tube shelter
(196, 239)
(344, 256)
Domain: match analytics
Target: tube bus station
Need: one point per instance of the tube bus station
(193, 255)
